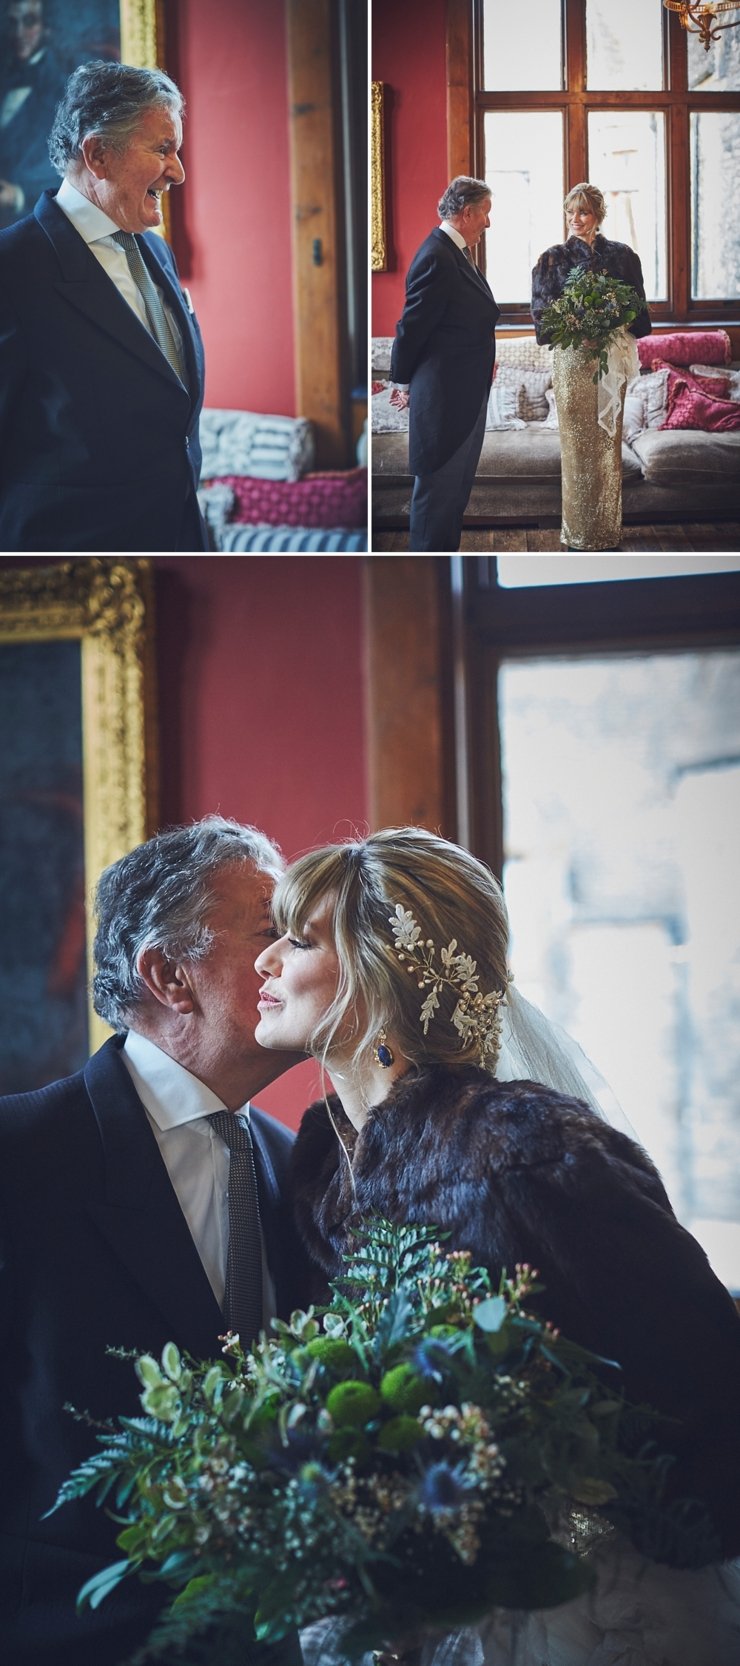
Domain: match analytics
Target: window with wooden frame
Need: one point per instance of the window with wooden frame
(558, 91)
(603, 785)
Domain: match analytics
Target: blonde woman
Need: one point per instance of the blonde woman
(392, 971)
(589, 415)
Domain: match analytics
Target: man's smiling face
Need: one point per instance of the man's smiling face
(128, 183)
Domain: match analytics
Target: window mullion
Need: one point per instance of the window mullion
(574, 48)
(679, 210)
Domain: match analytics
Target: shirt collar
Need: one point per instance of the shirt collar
(89, 220)
(452, 231)
(169, 1092)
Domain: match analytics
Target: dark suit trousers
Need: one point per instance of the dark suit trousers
(440, 499)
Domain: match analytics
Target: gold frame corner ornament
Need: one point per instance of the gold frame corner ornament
(378, 212)
(106, 605)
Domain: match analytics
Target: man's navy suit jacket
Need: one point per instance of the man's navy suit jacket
(445, 349)
(99, 445)
(94, 1253)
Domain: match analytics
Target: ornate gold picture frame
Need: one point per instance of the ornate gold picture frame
(142, 33)
(378, 222)
(92, 622)
(56, 42)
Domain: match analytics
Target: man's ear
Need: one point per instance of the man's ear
(167, 980)
(94, 155)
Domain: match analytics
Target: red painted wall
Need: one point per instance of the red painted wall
(261, 687)
(409, 56)
(231, 221)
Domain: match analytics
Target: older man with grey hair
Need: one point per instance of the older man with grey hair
(442, 365)
(122, 1223)
(101, 361)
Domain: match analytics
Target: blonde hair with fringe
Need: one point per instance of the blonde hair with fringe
(586, 196)
(450, 894)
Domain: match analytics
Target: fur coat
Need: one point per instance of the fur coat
(516, 1172)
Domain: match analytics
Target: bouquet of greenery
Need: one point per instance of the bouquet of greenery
(592, 307)
(400, 1460)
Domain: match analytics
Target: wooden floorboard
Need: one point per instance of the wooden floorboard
(704, 538)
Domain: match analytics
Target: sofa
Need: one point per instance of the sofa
(673, 473)
(260, 493)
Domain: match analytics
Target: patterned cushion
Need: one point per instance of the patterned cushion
(681, 346)
(244, 442)
(385, 418)
(690, 407)
(530, 387)
(712, 373)
(523, 351)
(503, 403)
(332, 498)
(645, 403)
(381, 348)
(291, 540)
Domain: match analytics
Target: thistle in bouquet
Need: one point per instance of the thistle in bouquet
(592, 307)
(400, 1460)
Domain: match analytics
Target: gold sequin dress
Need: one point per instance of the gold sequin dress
(590, 458)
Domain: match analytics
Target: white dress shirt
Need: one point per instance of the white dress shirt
(96, 229)
(453, 233)
(196, 1158)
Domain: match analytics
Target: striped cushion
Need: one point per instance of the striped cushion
(292, 540)
(245, 442)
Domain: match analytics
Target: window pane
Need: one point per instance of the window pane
(519, 572)
(718, 70)
(626, 151)
(524, 167)
(510, 65)
(624, 47)
(715, 231)
(622, 796)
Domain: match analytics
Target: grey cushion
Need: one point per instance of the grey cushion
(669, 455)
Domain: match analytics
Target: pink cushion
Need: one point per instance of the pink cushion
(714, 383)
(690, 407)
(681, 347)
(332, 498)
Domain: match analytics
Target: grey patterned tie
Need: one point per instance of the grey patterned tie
(243, 1295)
(159, 324)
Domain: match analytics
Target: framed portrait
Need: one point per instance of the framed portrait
(77, 774)
(378, 230)
(41, 42)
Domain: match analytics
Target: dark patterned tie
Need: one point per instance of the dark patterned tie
(243, 1294)
(159, 324)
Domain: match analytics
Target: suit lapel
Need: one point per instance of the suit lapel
(473, 273)
(139, 1214)
(188, 329)
(86, 286)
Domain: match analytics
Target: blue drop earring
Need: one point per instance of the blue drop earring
(382, 1053)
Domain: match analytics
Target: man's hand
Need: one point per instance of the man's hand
(400, 398)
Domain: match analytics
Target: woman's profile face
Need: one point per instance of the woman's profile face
(582, 221)
(301, 975)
